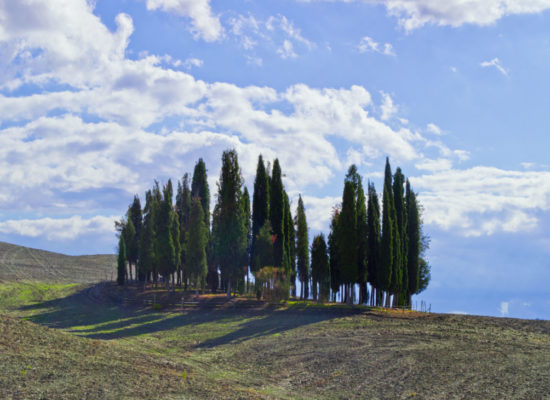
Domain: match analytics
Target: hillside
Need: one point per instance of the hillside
(23, 263)
(297, 351)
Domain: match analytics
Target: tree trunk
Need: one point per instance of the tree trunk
(387, 305)
(228, 283)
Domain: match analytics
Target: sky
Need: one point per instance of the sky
(100, 98)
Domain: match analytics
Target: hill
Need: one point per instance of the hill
(239, 348)
(18, 263)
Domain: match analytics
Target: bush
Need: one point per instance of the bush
(272, 284)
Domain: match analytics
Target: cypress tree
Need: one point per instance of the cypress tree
(260, 205)
(290, 245)
(245, 205)
(334, 253)
(413, 248)
(166, 255)
(129, 233)
(135, 214)
(200, 189)
(399, 267)
(347, 245)
(264, 242)
(277, 213)
(362, 243)
(320, 269)
(373, 238)
(183, 208)
(196, 246)
(387, 242)
(302, 245)
(147, 255)
(229, 235)
(121, 262)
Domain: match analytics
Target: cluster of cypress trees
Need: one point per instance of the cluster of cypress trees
(386, 254)
(177, 241)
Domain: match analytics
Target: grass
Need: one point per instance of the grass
(300, 350)
(89, 340)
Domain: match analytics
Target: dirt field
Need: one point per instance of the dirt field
(214, 348)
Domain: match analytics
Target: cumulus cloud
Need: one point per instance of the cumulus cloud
(369, 45)
(59, 229)
(413, 14)
(388, 107)
(204, 24)
(495, 63)
(433, 128)
(484, 200)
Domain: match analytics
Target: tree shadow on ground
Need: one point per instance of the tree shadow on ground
(92, 313)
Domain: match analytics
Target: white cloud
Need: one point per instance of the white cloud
(441, 164)
(193, 62)
(389, 109)
(276, 32)
(368, 44)
(504, 308)
(204, 24)
(484, 200)
(287, 50)
(413, 14)
(319, 211)
(433, 128)
(59, 229)
(495, 62)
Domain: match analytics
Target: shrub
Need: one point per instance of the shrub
(272, 284)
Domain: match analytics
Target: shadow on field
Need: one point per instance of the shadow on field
(93, 313)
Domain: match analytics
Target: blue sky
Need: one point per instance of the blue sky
(98, 99)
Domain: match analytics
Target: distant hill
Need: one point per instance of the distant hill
(18, 263)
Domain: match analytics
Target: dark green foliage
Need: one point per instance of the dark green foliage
(334, 253)
(135, 215)
(129, 233)
(200, 189)
(121, 262)
(147, 250)
(260, 205)
(166, 252)
(245, 205)
(320, 268)
(302, 245)
(362, 242)
(424, 275)
(413, 237)
(196, 245)
(399, 235)
(277, 213)
(347, 238)
(373, 238)
(264, 245)
(388, 226)
(229, 234)
(290, 245)
(183, 209)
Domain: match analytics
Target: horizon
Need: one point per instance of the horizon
(98, 100)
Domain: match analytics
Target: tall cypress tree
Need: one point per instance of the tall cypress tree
(121, 262)
(196, 246)
(247, 219)
(362, 243)
(290, 245)
(348, 240)
(399, 236)
(200, 189)
(320, 269)
(229, 235)
(165, 242)
(373, 238)
(147, 248)
(129, 233)
(388, 231)
(135, 214)
(302, 245)
(277, 213)
(260, 205)
(183, 208)
(334, 253)
(413, 248)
